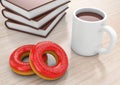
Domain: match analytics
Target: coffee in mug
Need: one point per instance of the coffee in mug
(88, 27)
(89, 16)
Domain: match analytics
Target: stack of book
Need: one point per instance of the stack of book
(37, 17)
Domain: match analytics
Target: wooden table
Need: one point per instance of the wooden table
(96, 70)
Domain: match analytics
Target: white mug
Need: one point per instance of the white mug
(87, 35)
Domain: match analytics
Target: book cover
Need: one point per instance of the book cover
(35, 10)
(36, 22)
(43, 32)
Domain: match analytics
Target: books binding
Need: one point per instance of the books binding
(37, 17)
(36, 22)
(43, 31)
(34, 11)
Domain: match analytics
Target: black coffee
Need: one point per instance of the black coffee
(89, 16)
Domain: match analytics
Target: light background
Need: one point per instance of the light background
(97, 70)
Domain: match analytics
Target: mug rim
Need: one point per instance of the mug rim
(91, 8)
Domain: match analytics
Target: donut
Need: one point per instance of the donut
(41, 68)
(16, 60)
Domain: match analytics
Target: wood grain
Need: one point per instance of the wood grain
(96, 70)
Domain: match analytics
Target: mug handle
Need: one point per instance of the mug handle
(113, 39)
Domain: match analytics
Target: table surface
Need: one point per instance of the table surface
(96, 70)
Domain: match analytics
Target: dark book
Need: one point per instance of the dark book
(43, 31)
(32, 8)
(36, 22)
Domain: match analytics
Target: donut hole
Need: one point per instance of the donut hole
(25, 57)
(51, 58)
